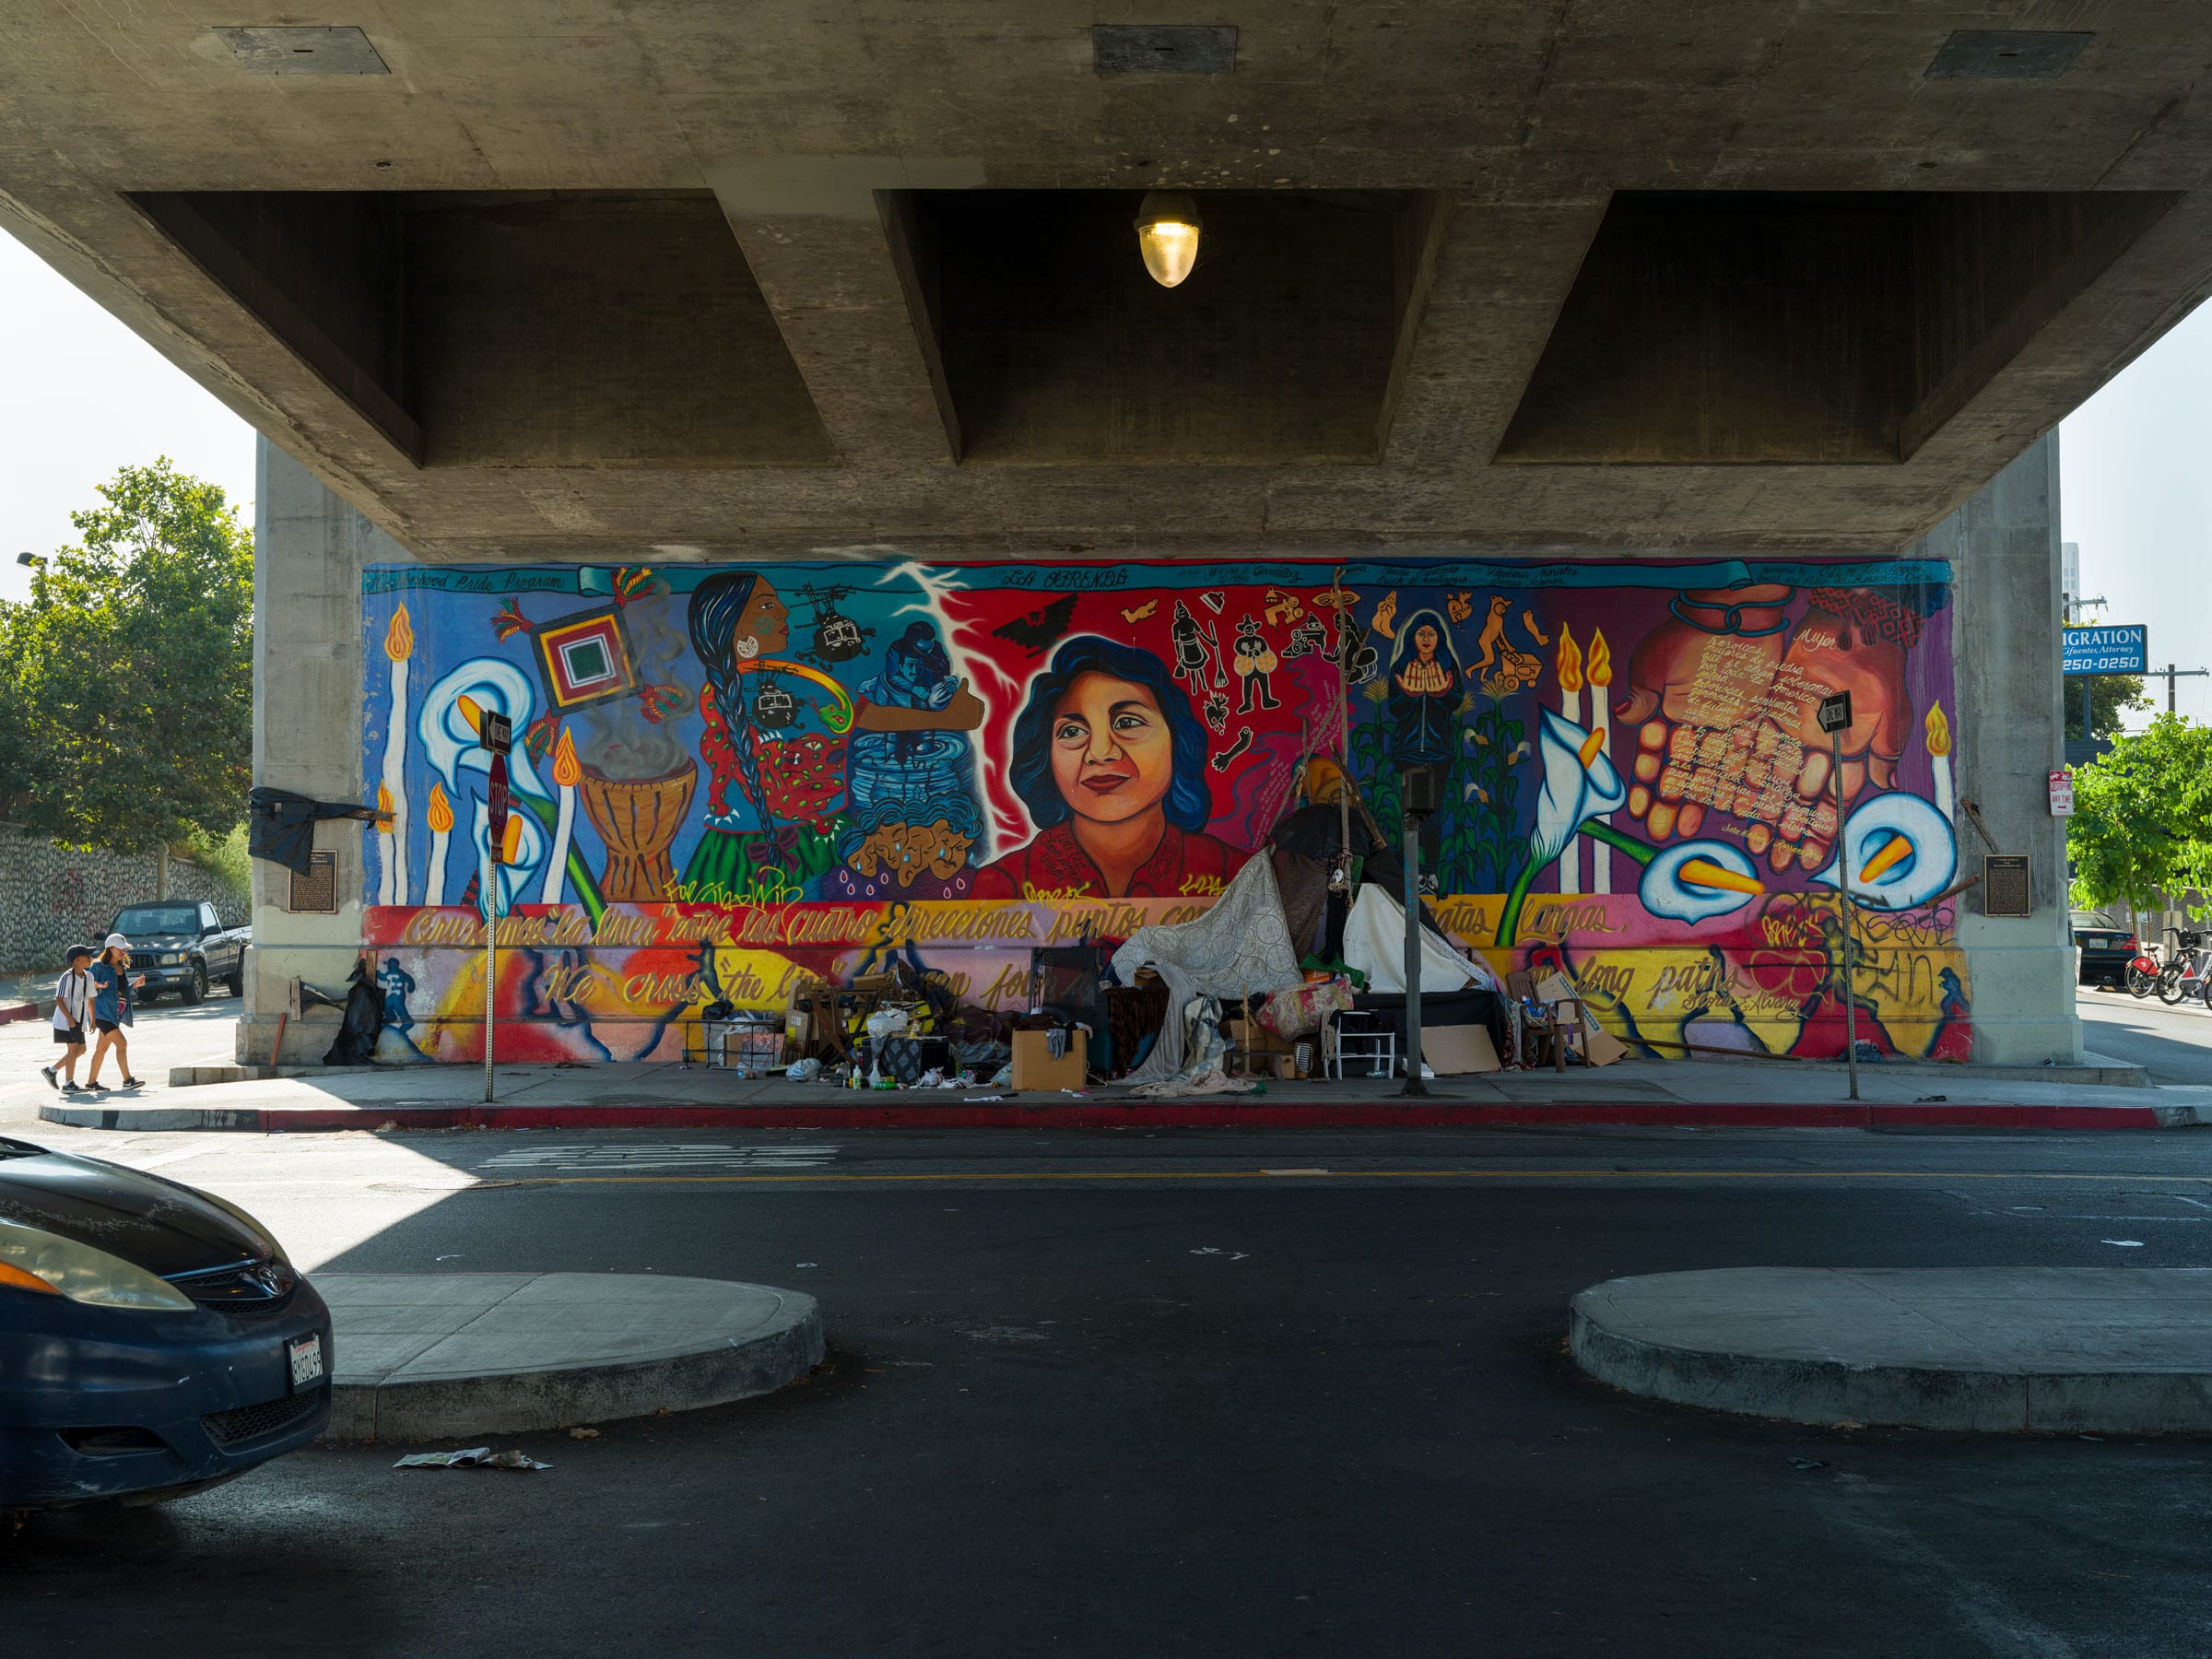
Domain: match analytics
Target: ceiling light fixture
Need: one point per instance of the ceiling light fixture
(1167, 235)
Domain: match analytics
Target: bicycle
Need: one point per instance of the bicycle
(2188, 971)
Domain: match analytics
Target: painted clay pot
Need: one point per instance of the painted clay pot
(637, 819)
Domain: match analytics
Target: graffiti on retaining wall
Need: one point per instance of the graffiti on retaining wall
(725, 779)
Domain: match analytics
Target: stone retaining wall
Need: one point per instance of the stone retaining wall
(52, 898)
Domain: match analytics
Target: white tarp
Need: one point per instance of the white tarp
(1374, 942)
(1240, 948)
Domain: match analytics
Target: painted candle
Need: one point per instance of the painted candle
(1599, 670)
(567, 774)
(399, 646)
(441, 816)
(387, 836)
(1568, 661)
(1939, 761)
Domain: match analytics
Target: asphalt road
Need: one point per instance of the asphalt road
(1118, 1393)
(2174, 1043)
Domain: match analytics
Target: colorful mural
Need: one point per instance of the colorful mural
(804, 769)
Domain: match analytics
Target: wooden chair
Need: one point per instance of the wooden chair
(1562, 1029)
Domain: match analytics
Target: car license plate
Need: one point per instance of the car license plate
(306, 1356)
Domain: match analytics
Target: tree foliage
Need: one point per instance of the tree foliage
(129, 671)
(2142, 823)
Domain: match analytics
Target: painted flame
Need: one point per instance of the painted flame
(1939, 732)
(384, 800)
(399, 639)
(510, 843)
(1601, 659)
(440, 814)
(566, 771)
(1569, 659)
(472, 711)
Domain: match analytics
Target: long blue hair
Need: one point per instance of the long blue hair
(1188, 804)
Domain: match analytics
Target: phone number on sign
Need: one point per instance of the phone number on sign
(2109, 665)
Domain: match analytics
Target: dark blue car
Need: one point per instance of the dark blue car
(153, 1338)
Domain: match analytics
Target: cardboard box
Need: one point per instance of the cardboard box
(1456, 1050)
(1034, 1066)
(1599, 1046)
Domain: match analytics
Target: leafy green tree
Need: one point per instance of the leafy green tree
(2111, 695)
(131, 670)
(2142, 823)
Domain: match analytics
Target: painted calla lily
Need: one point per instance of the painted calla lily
(1900, 850)
(449, 736)
(517, 881)
(1579, 779)
(1697, 880)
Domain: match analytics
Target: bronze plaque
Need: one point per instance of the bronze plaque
(2005, 885)
(317, 891)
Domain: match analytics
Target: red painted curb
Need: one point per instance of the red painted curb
(1201, 1114)
(12, 1012)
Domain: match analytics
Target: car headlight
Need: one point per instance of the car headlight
(170, 959)
(34, 1259)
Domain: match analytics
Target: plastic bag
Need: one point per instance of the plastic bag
(803, 1071)
(1302, 1011)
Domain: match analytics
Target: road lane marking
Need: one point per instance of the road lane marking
(659, 1156)
(1456, 1174)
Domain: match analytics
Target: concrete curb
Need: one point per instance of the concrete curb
(2057, 1350)
(195, 1077)
(1247, 1111)
(422, 1356)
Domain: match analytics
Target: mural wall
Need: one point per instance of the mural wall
(728, 778)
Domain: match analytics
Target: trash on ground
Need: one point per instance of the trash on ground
(475, 1457)
(1808, 1463)
(971, 1099)
(804, 1071)
(584, 1434)
(2125, 1244)
(386, 1127)
(1928, 1099)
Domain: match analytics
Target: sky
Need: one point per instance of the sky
(87, 396)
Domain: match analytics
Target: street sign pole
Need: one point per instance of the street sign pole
(1835, 716)
(497, 735)
(1416, 799)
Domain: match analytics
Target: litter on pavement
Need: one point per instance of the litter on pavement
(475, 1457)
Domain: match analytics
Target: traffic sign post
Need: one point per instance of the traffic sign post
(1835, 719)
(498, 734)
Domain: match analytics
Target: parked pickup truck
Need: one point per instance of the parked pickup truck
(183, 948)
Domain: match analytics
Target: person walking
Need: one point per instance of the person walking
(112, 988)
(72, 1016)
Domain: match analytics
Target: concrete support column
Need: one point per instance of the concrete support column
(2003, 547)
(309, 550)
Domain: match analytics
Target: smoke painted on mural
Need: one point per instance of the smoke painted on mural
(727, 780)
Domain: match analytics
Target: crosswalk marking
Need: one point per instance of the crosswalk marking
(660, 1156)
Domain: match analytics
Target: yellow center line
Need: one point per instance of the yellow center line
(1332, 1175)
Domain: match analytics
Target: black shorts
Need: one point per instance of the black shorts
(105, 1025)
(74, 1037)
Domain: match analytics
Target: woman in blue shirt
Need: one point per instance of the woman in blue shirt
(112, 988)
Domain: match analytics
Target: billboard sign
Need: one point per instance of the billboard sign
(2107, 650)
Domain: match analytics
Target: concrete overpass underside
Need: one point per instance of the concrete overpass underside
(1624, 378)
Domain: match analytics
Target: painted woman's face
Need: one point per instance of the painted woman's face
(766, 622)
(1113, 757)
(1424, 642)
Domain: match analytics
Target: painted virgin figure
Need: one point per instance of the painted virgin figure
(1426, 693)
(1111, 761)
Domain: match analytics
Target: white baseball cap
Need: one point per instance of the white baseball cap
(116, 942)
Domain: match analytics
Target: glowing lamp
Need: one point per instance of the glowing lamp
(1167, 235)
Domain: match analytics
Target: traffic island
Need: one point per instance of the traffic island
(454, 1354)
(2050, 1350)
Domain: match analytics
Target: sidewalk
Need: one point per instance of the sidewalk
(1681, 1093)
